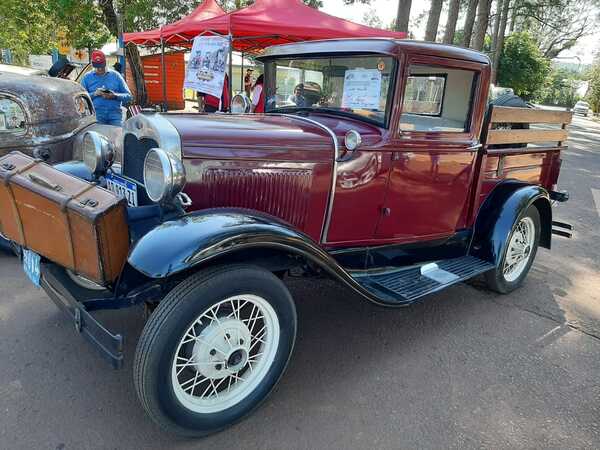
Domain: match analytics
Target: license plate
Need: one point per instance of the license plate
(31, 266)
(123, 188)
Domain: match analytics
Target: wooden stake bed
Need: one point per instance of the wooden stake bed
(67, 220)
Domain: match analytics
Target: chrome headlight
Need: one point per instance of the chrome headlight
(352, 140)
(164, 176)
(96, 151)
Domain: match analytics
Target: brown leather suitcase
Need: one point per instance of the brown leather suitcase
(69, 221)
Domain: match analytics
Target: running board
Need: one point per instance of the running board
(407, 285)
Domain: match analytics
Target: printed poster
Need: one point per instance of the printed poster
(362, 88)
(206, 67)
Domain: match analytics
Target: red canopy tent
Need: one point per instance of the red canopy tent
(264, 23)
(206, 10)
(251, 29)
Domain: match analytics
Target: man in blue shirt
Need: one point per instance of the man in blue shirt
(107, 89)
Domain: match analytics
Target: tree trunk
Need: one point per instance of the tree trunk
(110, 16)
(513, 15)
(433, 20)
(497, 17)
(469, 22)
(483, 17)
(453, 10)
(403, 15)
(500, 40)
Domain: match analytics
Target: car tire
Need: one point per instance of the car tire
(196, 334)
(519, 253)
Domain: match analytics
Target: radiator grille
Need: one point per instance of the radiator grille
(134, 152)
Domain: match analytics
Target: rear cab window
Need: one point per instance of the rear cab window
(437, 99)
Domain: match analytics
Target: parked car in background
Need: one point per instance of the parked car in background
(396, 178)
(44, 116)
(581, 107)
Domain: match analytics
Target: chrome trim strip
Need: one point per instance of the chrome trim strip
(336, 147)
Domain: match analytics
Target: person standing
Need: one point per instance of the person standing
(107, 89)
(258, 96)
(248, 82)
(210, 104)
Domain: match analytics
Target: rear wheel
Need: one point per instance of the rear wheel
(518, 255)
(214, 348)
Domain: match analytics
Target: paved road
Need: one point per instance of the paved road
(466, 369)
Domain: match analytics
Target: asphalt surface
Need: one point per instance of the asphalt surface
(465, 369)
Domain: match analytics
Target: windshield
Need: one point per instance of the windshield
(348, 85)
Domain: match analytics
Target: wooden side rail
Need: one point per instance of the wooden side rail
(509, 115)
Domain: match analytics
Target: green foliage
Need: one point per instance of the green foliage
(82, 20)
(27, 28)
(522, 65)
(593, 95)
(560, 88)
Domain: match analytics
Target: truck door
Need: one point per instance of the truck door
(435, 150)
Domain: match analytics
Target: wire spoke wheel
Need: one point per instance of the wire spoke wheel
(519, 249)
(225, 353)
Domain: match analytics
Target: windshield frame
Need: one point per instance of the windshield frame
(389, 106)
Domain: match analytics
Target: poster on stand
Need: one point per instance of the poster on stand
(207, 65)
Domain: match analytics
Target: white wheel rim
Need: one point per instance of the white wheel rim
(225, 354)
(519, 249)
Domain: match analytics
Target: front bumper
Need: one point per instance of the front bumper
(56, 284)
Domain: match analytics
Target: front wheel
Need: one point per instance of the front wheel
(214, 348)
(518, 255)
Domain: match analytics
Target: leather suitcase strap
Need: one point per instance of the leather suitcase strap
(12, 172)
(63, 207)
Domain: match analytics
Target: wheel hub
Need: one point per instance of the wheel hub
(222, 348)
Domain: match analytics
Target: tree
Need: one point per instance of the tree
(433, 20)
(469, 22)
(27, 28)
(372, 19)
(556, 24)
(483, 17)
(403, 15)
(82, 21)
(560, 88)
(593, 94)
(522, 65)
(453, 10)
(498, 37)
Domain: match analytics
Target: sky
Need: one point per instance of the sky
(386, 10)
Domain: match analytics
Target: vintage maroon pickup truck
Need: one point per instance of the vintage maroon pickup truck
(378, 163)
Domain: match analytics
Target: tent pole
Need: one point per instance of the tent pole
(164, 72)
(242, 75)
(230, 81)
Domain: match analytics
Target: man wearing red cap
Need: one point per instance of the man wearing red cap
(107, 89)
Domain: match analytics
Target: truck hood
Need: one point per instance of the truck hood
(208, 133)
(218, 135)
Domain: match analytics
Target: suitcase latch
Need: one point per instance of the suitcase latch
(8, 166)
(89, 202)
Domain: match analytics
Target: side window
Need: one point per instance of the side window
(12, 116)
(437, 99)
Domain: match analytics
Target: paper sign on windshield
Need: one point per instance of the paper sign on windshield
(206, 68)
(362, 88)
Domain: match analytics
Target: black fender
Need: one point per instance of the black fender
(77, 169)
(197, 238)
(499, 212)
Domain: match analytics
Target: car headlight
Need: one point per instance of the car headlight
(97, 152)
(352, 140)
(164, 176)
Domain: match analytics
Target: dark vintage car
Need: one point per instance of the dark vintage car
(396, 182)
(43, 116)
